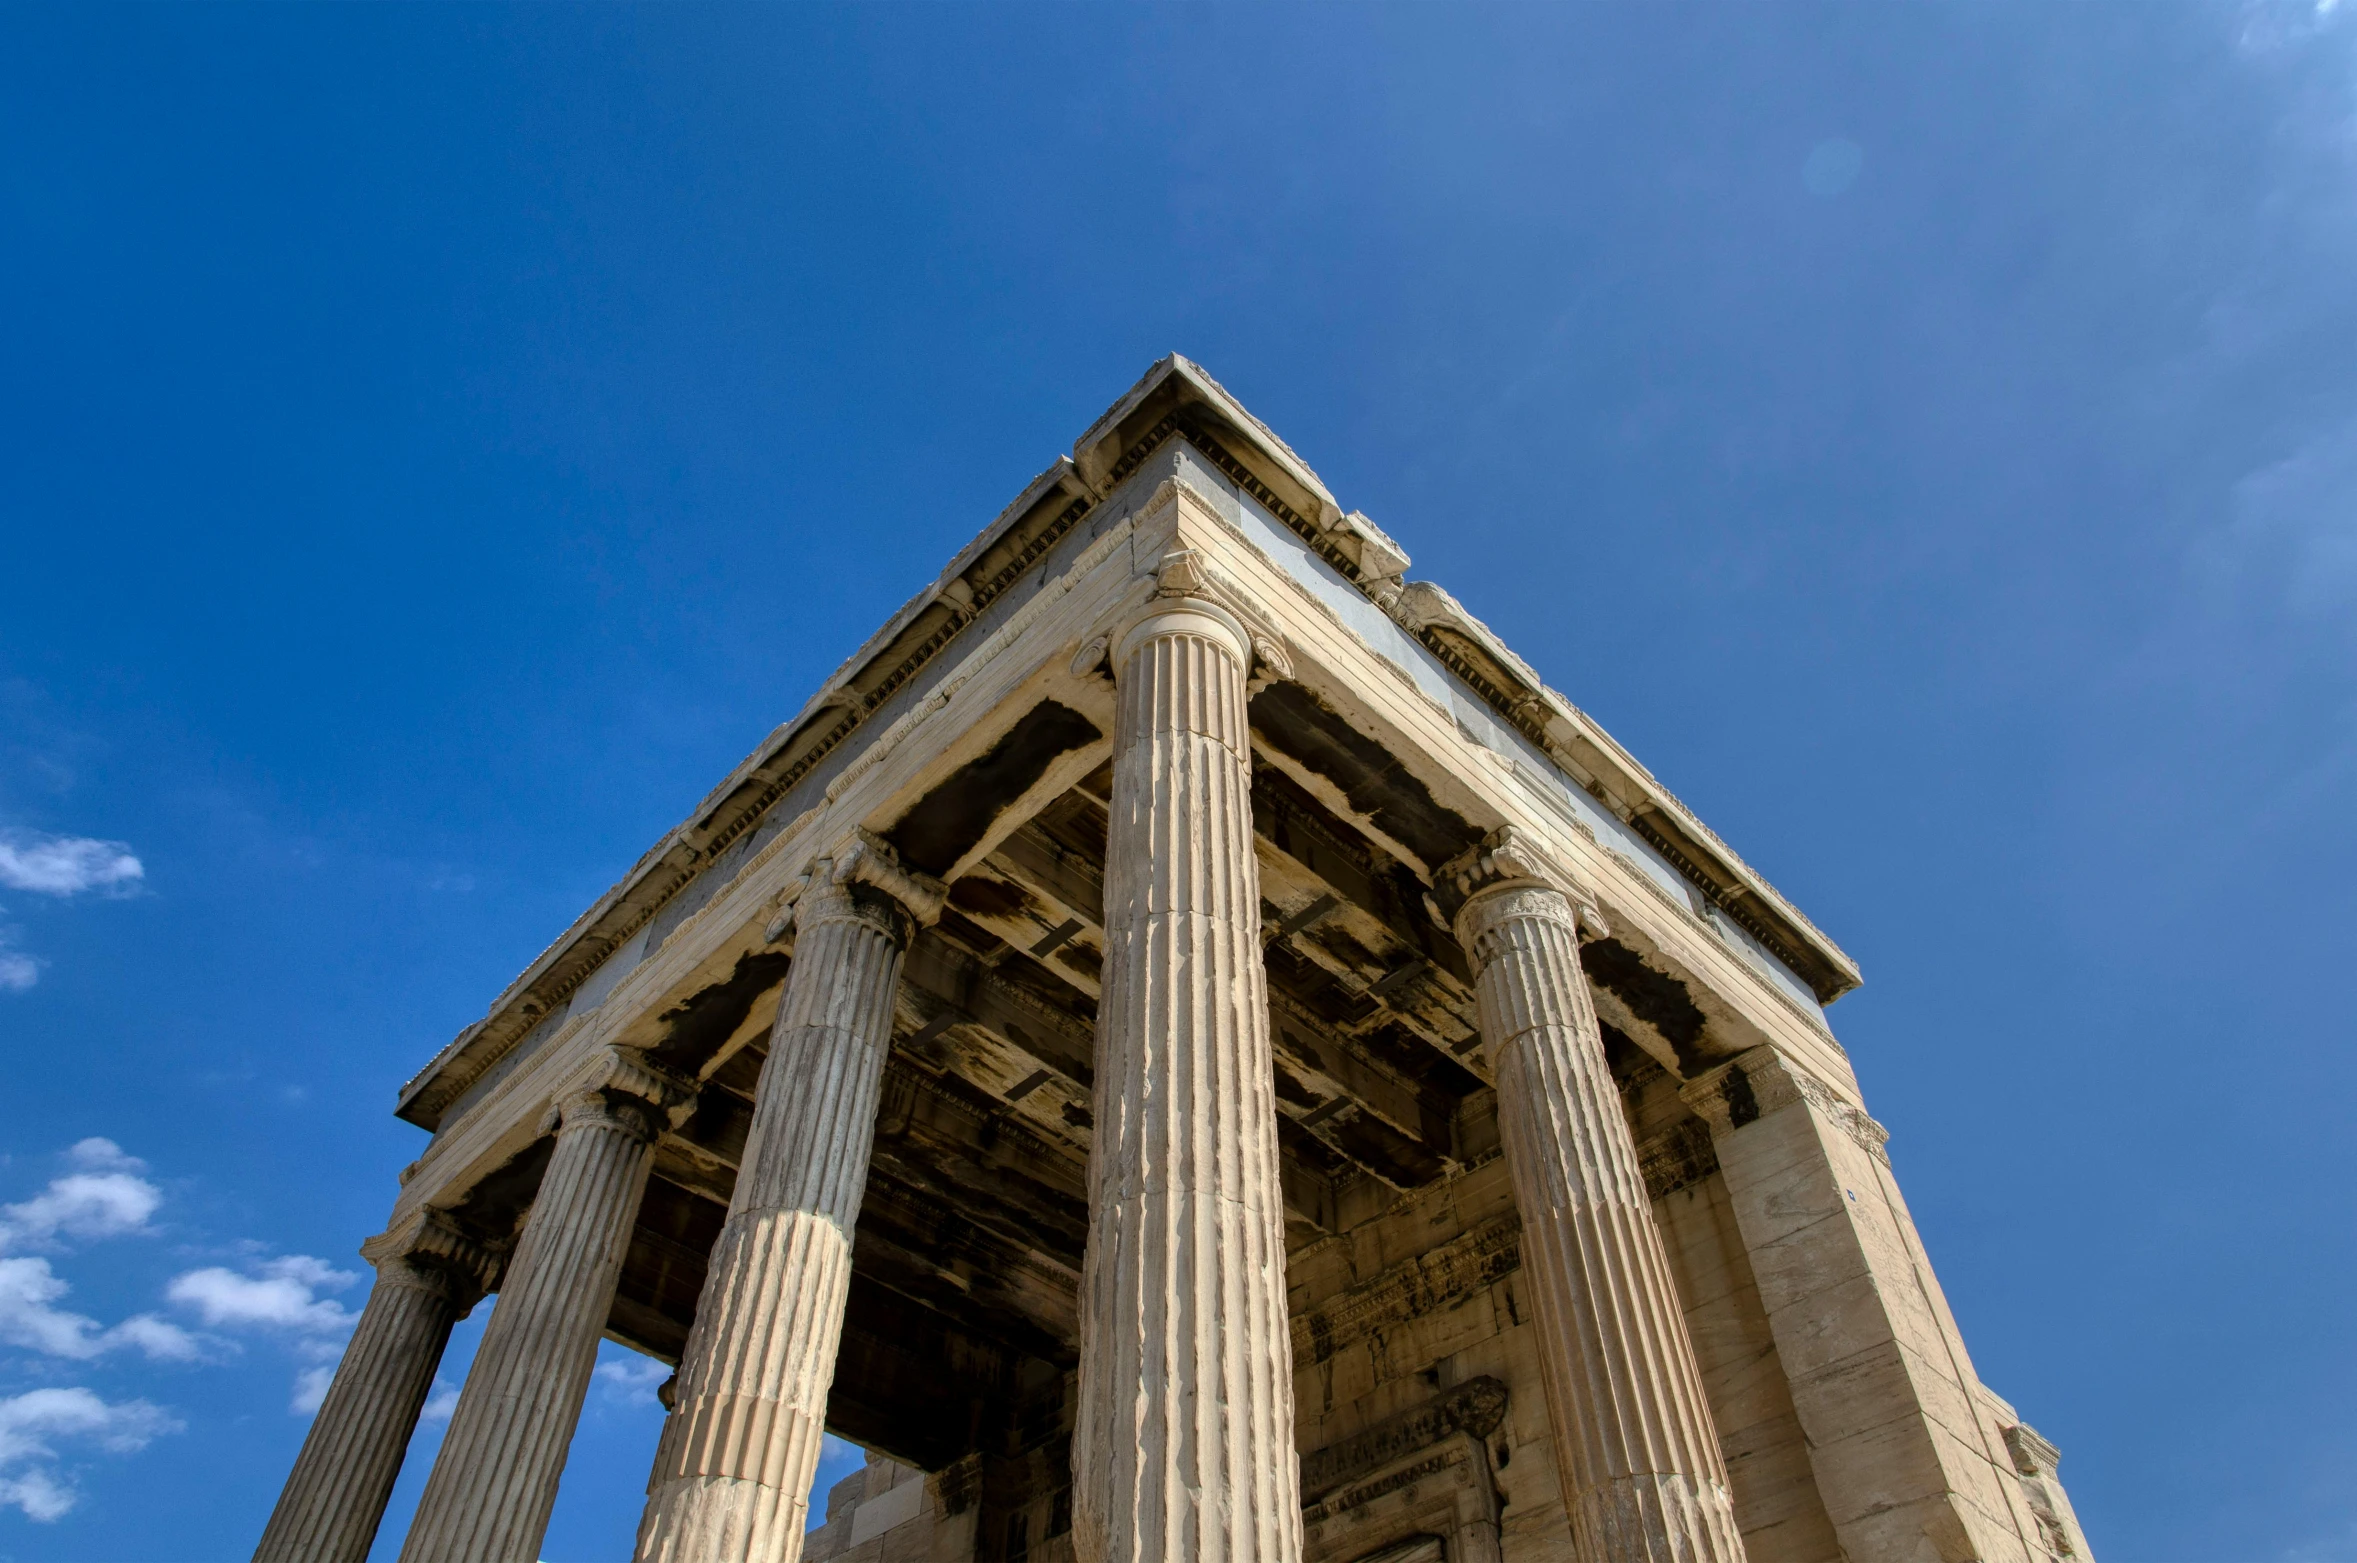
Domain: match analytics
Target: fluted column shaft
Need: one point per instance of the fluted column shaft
(732, 1476)
(335, 1497)
(1183, 1452)
(1642, 1472)
(495, 1479)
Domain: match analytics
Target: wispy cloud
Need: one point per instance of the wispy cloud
(58, 866)
(33, 1423)
(65, 865)
(2296, 520)
(311, 1387)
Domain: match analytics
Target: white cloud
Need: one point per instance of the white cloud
(103, 1197)
(633, 1380)
(31, 1423)
(160, 1339)
(29, 1318)
(311, 1388)
(37, 1493)
(283, 1296)
(65, 865)
(18, 971)
(442, 1402)
(99, 1154)
(323, 1353)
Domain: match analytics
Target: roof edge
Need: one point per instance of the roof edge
(1149, 410)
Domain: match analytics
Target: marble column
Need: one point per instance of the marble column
(1183, 1449)
(1643, 1476)
(428, 1274)
(495, 1479)
(732, 1474)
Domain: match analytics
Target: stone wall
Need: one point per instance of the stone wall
(1421, 1418)
(886, 1512)
(1428, 1297)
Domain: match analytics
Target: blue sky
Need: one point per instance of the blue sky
(439, 443)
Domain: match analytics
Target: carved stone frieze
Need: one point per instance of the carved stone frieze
(1416, 1486)
(1441, 1462)
(1442, 1277)
(1678, 1157)
(1476, 1406)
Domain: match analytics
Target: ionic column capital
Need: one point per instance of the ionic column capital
(1188, 600)
(863, 880)
(1509, 876)
(428, 1251)
(1759, 1082)
(621, 1088)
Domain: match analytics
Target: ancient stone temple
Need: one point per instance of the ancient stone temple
(1188, 1052)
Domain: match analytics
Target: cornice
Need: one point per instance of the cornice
(1508, 685)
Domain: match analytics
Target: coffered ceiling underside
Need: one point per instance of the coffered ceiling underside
(968, 1249)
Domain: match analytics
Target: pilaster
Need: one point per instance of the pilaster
(1879, 1376)
(1642, 1472)
(428, 1275)
(732, 1474)
(1183, 1450)
(495, 1480)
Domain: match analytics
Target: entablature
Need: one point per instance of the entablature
(1375, 662)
